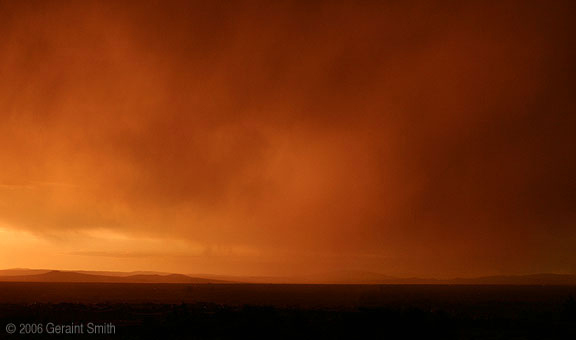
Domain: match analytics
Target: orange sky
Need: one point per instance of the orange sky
(285, 137)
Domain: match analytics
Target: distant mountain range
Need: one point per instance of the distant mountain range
(335, 277)
(71, 276)
(363, 277)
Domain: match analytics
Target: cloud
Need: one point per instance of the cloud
(419, 133)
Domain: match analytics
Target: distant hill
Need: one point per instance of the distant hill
(26, 271)
(22, 271)
(534, 279)
(334, 277)
(114, 273)
(360, 277)
(68, 276)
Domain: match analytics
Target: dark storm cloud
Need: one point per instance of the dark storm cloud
(404, 136)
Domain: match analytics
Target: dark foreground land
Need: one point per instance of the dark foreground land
(254, 311)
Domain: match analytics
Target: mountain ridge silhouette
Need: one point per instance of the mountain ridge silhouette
(72, 276)
(335, 277)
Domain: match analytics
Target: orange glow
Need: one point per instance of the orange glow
(284, 137)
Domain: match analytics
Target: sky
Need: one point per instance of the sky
(411, 138)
